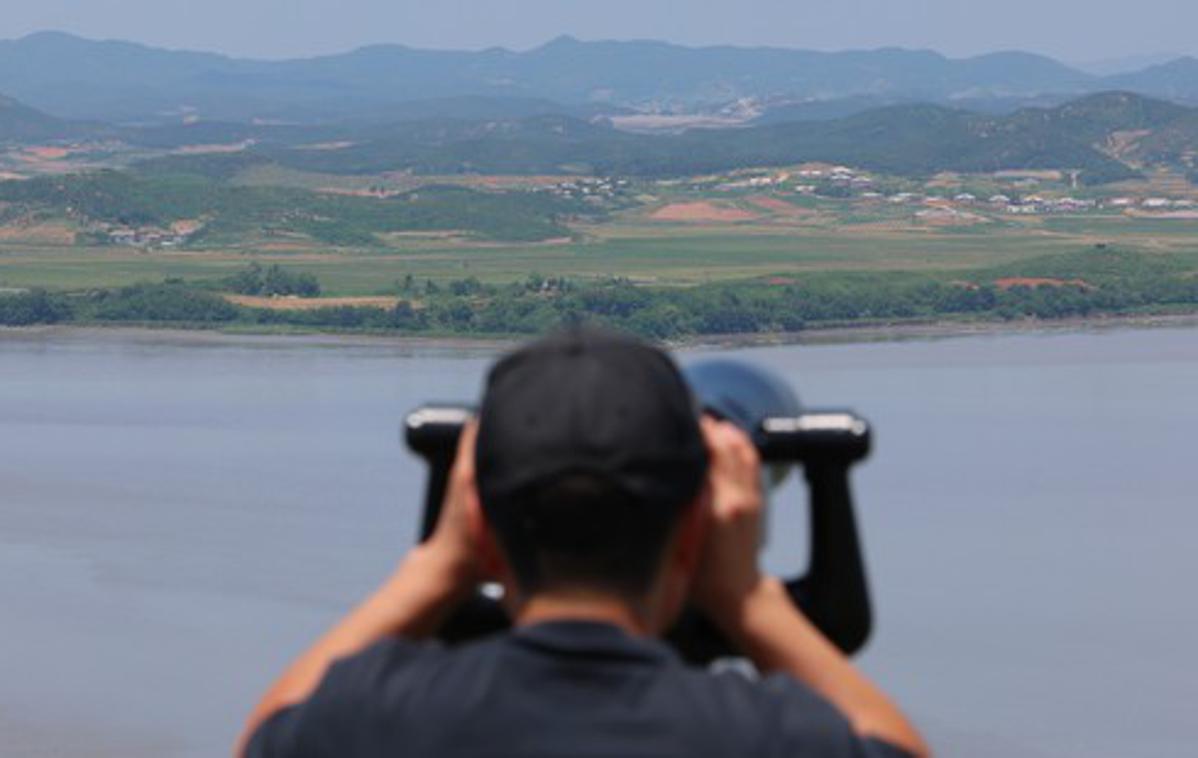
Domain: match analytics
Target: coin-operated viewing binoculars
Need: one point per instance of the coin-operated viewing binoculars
(833, 592)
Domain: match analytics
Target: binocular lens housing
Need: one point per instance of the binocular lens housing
(433, 430)
(816, 436)
(825, 444)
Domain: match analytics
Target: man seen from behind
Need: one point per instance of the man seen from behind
(590, 489)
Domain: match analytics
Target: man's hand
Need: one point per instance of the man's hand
(429, 583)
(755, 611)
(453, 543)
(728, 570)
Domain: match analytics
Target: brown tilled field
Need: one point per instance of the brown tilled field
(780, 206)
(700, 211)
(1024, 281)
(38, 233)
(309, 304)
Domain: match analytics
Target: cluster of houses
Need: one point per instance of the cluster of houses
(806, 180)
(753, 182)
(1033, 204)
(838, 175)
(1151, 203)
(589, 188)
(149, 236)
(1026, 205)
(816, 178)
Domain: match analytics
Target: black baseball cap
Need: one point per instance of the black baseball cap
(590, 401)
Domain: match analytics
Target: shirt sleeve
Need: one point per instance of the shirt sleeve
(810, 725)
(337, 715)
(875, 748)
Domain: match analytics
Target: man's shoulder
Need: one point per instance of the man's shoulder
(775, 714)
(365, 673)
(424, 695)
(356, 690)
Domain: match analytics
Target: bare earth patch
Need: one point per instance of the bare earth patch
(310, 303)
(1174, 215)
(944, 180)
(276, 246)
(1120, 144)
(327, 146)
(943, 216)
(186, 226)
(358, 192)
(1046, 175)
(215, 149)
(701, 211)
(779, 206)
(653, 122)
(50, 234)
(47, 153)
(501, 181)
(1027, 281)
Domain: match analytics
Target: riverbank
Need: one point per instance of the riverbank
(840, 334)
(946, 329)
(841, 306)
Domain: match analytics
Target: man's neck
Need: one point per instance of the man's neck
(582, 606)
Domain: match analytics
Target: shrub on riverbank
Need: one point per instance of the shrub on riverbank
(1091, 282)
(171, 301)
(272, 280)
(35, 307)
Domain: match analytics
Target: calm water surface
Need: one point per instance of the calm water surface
(178, 519)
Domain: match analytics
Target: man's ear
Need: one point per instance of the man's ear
(492, 562)
(679, 565)
(490, 556)
(692, 533)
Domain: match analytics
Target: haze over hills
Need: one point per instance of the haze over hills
(1176, 80)
(113, 81)
(1125, 64)
(1105, 137)
(20, 123)
(555, 109)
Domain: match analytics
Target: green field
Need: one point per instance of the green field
(644, 251)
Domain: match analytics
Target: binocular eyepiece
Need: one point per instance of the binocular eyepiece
(833, 592)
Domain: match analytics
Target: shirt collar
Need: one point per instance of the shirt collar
(593, 639)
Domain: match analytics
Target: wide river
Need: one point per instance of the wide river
(179, 517)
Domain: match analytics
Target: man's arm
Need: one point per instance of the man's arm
(756, 613)
(430, 582)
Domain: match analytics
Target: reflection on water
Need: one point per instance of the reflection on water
(177, 519)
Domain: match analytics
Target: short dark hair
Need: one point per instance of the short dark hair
(583, 530)
(588, 447)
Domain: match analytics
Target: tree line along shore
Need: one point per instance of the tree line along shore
(1090, 282)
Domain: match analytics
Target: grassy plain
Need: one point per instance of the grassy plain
(821, 236)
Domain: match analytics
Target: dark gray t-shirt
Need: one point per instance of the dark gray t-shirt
(554, 689)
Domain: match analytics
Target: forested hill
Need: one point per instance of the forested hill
(221, 213)
(20, 123)
(1106, 137)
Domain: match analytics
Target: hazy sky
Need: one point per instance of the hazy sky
(1075, 30)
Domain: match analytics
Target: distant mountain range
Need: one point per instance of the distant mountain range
(1107, 137)
(554, 109)
(75, 78)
